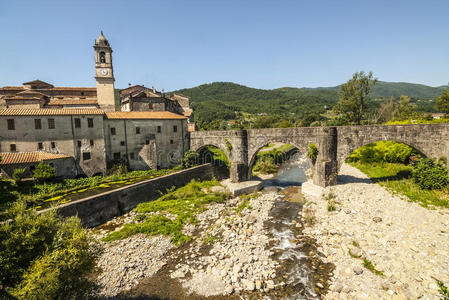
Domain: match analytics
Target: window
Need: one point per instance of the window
(37, 124)
(171, 141)
(40, 146)
(137, 130)
(86, 155)
(102, 57)
(147, 142)
(79, 144)
(159, 129)
(175, 128)
(11, 125)
(116, 155)
(12, 147)
(82, 93)
(53, 145)
(91, 142)
(51, 123)
(90, 122)
(131, 155)
(122, 143)
(112, 130)
(150, 105)
(77, 123)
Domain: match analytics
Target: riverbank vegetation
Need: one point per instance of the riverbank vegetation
(43, 256)
(171, 212)
(399, 168)
(270, 157)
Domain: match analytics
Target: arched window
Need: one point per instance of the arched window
(102, 57)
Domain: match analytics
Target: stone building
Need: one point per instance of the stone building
(81, 124)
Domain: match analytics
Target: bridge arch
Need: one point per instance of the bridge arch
(201, 151)
(252, 160)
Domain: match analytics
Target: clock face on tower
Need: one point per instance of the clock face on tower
(104, 72)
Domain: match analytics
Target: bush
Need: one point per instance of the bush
(17, 175)
(313, 153)
(190, 159)
(388, 151)
(430, 175)
(43, 256)
(44, 172)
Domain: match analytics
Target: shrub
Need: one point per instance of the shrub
(383, 151)
(43, 256)
(190, 159)
(430, 175)
(44, 172)
(313, 153)
(17, 175)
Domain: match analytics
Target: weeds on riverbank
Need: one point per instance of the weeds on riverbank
(444, 291)
(331, 203)
(369, 265)
(397, 178)
(173, 210)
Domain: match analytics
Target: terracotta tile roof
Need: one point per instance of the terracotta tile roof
(12, 88)
(28, 157)
(50, 112)
(60, 88)
(72, 101)
(23, 98)
(144, 115)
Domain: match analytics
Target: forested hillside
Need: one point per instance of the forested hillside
(219, 102)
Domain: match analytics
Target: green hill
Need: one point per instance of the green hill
(221, 100)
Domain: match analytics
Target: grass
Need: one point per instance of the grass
(245, 203)
(168, 214)
(369, 265)
(331, 203)
(210, 239)
(355, 244)
(444, 291)
(397, 178)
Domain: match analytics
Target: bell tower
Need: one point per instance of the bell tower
(104, 74)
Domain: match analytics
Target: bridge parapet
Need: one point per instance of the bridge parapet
(334, 144)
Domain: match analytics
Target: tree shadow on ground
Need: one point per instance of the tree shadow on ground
(345, 179)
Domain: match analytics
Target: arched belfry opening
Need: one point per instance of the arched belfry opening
(102, 57)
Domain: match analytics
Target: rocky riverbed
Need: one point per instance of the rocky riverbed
(406, 244)
(357, 242)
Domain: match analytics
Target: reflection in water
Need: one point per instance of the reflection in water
(291, 172)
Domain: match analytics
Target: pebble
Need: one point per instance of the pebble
(403, 239)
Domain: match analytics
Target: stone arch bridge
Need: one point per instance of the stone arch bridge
(334, 144)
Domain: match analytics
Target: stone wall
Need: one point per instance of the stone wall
(334, 144)
(98, 209)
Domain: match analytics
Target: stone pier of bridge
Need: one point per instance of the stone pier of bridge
(334, 144)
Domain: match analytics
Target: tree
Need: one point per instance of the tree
(17, 175)
(404, 110)
(43, 172)
(190, 159)
(43, 256)
(442, 103)
(353, 97)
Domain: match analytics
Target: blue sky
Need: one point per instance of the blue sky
(262, 44)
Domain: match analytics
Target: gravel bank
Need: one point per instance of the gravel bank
(408, 243)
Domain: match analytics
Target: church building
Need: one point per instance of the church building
(85, 131)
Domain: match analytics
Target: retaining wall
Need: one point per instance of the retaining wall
(98, 209)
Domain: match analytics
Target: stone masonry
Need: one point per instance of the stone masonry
(335, 144)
